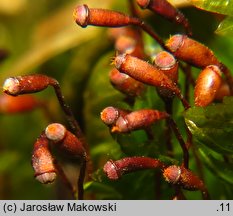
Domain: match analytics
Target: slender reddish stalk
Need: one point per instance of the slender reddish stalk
(168, 130)
(145, 27)
(181, 141)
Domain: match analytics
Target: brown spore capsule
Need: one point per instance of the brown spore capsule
(196, 54)
(128, 40)
(178, 175)
(64, 140)
(83, 16)
(166, 10)
(125, 44)
(147, 73)
(207, 85)
(138, 120)
(111, 170)
(109, 115)
(43, 161)
(126, 84)
(143, 71)
(115, 33)
(191, 51)
(115, 169)
(27, 84)
(167, 64)
(55, 132)
(172, 174)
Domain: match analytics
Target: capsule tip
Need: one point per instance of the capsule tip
(215, 69)
(172, 174)
(55, 132)
(119, 60)
(164, 60)
(109, 115)
(46, 178)
(175, 42)
(81, 15)
(11, 86)
(110, 170)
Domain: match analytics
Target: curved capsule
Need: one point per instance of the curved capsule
(43, 161)
(83, 16)
(138, 120)
(207, 85)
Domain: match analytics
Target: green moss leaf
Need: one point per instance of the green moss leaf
(218, 6)
(213, 126)
(225, 27)
(218, 167)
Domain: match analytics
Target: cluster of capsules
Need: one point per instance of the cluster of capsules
(132, 73)
(54, 137)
